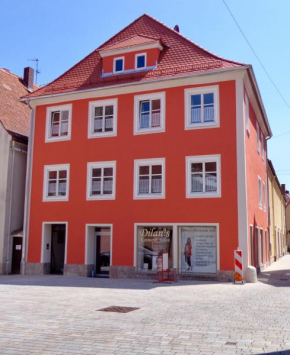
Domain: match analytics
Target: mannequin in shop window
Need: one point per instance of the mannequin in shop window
(188, 253)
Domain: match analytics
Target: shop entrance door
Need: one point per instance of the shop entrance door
(103, 251)
(57, 248)
(16, 255)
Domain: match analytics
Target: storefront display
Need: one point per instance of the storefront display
(198, 249)
(153, 242)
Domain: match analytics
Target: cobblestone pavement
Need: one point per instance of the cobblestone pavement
(58, 315)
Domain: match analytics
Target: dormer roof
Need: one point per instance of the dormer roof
(131, 44)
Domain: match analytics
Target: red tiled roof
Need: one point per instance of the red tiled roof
(14, 115)
(132, 41)
(179, 57)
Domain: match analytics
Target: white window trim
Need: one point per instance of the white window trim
(137, 100)
(247, 103)
(114, 65)
(258, 137)
(200, 91)
(264, 197)
(136, 59)
(49, 111)
(146, 162)
(260, 192)
(98, 165)
(262, 146)
(92, 105)
(202, 159)
(47, 169)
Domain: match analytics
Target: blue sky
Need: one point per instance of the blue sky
(60, 33)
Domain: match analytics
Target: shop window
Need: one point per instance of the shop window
(56, 183)
(58, 123)
(119, 65)
(153, 243)
(149, 179)
(198, 249)
(203, 176)
(149, 113)
(202, 107)
(101, 181)
(102, 118)
(140, 61)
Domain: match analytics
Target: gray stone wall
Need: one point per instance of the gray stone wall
(78, 270)
(37, 268)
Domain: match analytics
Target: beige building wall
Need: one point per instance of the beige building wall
(13, 159)
(277, 221)
(288, 224)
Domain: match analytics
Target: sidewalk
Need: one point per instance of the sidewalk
(58, 315)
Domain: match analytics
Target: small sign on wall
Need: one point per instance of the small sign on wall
(18, 247)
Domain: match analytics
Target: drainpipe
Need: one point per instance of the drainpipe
(11, 176)
(27, 192)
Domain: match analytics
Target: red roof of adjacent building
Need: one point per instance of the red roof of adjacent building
(14, 115)
(179, 57)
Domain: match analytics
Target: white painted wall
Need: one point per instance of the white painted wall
(5, 141)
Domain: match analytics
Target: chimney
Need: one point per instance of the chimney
(176, 28)
(283, 186)
(28, 77)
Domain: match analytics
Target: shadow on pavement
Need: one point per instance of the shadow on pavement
(88, 282)
(282, 352)
(277, 278)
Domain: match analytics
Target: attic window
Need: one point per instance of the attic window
(118, 65)
(140, 62)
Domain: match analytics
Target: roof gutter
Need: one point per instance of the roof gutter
(138, 83)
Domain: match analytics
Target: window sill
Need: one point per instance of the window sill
(202, 125)
(55, 199)
(102, 135)
(149, 130)
(57, 139)
(100, 198)
(204, 195)
(149, 197)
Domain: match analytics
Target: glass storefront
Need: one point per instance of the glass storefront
(198, 249)
(153, 242)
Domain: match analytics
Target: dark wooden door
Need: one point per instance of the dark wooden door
(16, 255)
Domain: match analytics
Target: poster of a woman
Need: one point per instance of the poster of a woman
(188, 253)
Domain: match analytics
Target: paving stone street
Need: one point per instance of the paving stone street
(59, 315)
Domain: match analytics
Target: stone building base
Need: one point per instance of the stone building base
(78, 270)
(2, 269)
(37, 268)
(129, 272)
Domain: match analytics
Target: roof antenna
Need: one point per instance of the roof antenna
(36, 68)
(176, 28)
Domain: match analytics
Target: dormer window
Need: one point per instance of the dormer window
(140, 62)
(119, 65)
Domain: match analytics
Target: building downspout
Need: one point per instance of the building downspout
(10, 209)
(27, 193)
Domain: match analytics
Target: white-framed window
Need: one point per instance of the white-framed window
(149, 178)
(264, 196)
(203, 176)
(119, 64)
(101, 180)
(140, 61)
(202, 107)
(56, 182)
(103, 118)
(149, 113)
(260, 191)
(258, 137)
(262, 147)
(58, 123)
(247, 113)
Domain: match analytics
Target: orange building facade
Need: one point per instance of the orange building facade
(149, 148)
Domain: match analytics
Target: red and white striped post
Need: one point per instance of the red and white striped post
(238, 255)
